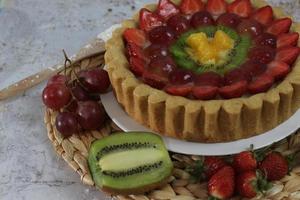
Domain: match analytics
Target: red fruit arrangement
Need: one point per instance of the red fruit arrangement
(154, 56)
(76, 101)
(247, 174)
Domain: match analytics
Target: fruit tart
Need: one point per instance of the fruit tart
(207, 71)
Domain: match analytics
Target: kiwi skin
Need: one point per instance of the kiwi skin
(140, 190)
(92, 160)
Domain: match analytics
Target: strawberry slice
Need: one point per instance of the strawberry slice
(166, 9)
(222, 184)
(136, 36)
(179, 90)
(278, 69)
(137, 66)
(235, 90)
(243, 8)
(287, 39)
(288, 54)
(216, 7)
(280, 26)
(261, 84)
(189, 7)
(205, 92)
(209, 79)
(263, 15)
(154, 79)
(149, 20)
(135, 50)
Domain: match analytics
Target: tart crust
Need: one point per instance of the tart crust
(196, 120)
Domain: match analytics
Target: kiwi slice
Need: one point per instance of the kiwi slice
(129, 163)
(236, 56)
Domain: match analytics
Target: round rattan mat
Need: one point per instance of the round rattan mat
(74, 150)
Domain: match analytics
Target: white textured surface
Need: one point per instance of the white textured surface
(32, 34)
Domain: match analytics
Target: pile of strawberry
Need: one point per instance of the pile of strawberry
(247, 174)
(271, 57)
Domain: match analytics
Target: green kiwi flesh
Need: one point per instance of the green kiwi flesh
(236, 57)
(129, 163)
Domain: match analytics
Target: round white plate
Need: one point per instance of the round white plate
(126, 123)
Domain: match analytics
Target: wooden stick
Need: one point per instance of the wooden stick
(93, 49)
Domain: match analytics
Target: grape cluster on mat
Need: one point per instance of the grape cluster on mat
(77, 100)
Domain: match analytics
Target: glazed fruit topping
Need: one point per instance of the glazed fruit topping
(205, 92)
(229, 19)
(234, 90)
(179, 90)
(190, 7)
(181, 77)
(202, 18)
(166, 9)
(263, 15)
(162, 35)
(136, 36)
(266, 39)
(263, 55)
(287, 39)
(288, 54)
(242, 8)
(209, 49)
(260, 84)
(149, 20)
(179, 24)
(251, 27)
(156, 51)
(280, 26)
(216, 7)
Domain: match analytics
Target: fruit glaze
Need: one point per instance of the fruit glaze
(211, 50)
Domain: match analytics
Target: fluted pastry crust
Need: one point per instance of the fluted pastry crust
(195, 120)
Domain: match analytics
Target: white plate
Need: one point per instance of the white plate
(126, 123)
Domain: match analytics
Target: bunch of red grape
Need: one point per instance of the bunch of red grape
(77, 100)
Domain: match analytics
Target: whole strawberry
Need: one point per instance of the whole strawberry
(250, 183)
(221, 185)
(244, 161)
(274, 166)
(212, 164)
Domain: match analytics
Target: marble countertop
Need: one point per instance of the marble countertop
(32, 34)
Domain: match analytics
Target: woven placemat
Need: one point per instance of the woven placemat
(74, 150)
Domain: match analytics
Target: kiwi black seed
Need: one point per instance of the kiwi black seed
(235, 57)
(129, 163)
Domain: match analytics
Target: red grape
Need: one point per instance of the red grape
(56, 96)
(253, 68)
(90, 115)
(236, 75)
(162, 35)
(163, 65)
(79, 93)
(209, 79)
(178, 23)
(58, 79)
(202, 18)
(180, 77)
(156, 51)
(95, 80)
(262, 54)
(266, 39)
(66, 123)
(72, 106)
(229, 19)
(251, 27)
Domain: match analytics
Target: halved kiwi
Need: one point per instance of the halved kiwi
(236, 57)
(129, 163)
